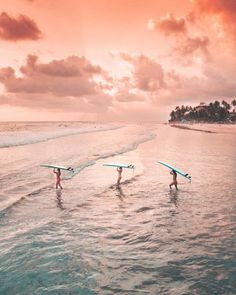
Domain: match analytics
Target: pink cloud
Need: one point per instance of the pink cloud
(68, 85)
(73, 66)
(148, 75)
(169, 24)
(186, 45)
(225, 10)
(216, 6)
(21, 28)
(176, 88)
(190, 45)
(212, 84)
(72, 76)
(60, 85)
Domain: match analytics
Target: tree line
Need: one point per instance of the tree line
(214, 112)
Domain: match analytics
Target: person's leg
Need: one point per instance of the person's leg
(57, 184)
(118, 180)
(176, 186)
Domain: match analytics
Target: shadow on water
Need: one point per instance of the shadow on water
(59, 199)
(120, 194)
(174, 197)
(119, 191)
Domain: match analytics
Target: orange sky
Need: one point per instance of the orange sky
(124, 60)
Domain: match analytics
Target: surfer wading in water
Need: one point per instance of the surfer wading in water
(57, 171)
(174, 182)
(119, 170)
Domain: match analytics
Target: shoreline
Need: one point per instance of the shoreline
(194, 129)
(207, 128)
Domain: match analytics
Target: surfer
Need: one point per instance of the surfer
(119, 170)
(174, 182)
(57, 171)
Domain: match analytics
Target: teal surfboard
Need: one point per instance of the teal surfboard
(176, 170)
(57, 167)
(130, 166)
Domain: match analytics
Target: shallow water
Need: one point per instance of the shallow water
(93, 238)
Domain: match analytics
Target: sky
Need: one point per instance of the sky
(119, 60)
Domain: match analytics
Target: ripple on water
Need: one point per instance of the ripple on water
(139, 239)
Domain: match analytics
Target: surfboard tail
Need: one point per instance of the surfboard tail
(186, 175)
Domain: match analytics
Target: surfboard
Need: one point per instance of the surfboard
(176, 170)
(57, 167)
(130, 166)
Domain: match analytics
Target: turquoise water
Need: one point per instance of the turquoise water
(93, 238)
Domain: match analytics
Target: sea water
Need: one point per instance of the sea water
(94, 238)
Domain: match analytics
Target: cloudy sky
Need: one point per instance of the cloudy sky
(122, 60)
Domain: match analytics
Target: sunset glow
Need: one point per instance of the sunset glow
(124, 60)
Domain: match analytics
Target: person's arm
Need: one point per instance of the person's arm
(54, 171)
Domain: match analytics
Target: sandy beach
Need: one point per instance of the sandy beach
(208, 128)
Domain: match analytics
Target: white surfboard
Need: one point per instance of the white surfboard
(176, 170)
(129, 166)
(57, 167)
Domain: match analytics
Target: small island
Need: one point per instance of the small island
(214, 112)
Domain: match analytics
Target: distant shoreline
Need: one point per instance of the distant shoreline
(189, 128)
(206, 128)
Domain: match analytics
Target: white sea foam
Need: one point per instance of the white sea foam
(124, 149)
(17, 138)
(24, 179)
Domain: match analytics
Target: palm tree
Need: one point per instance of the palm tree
(214, 112)
(172, 116)
(211, 111)
(216, 104)
(233, 103)
(226, 105)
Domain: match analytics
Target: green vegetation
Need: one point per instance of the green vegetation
(215, 112)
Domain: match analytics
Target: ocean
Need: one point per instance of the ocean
(93, 237)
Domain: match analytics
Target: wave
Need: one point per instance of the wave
(5, 207)
(78, 169)
(129, 147)
(26, 138)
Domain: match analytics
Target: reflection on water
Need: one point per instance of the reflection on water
(138, 238)
(59, 199)
(120, 194)
(174, 197)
